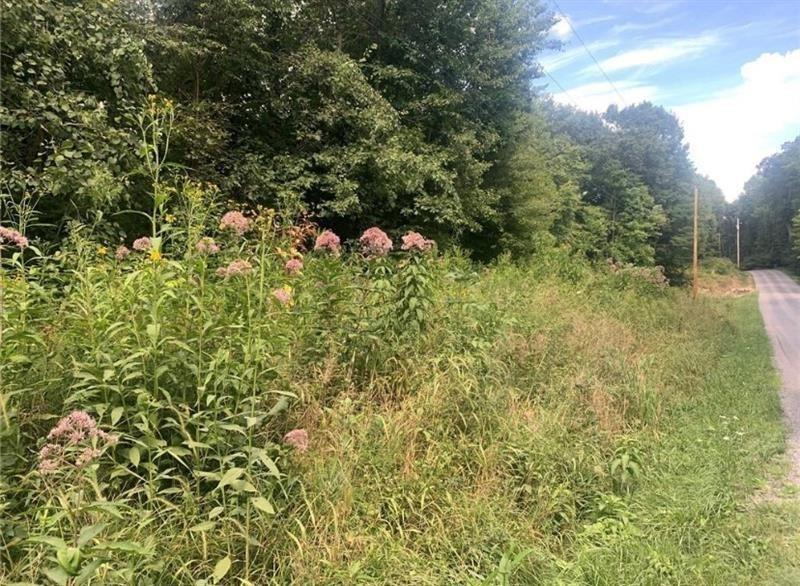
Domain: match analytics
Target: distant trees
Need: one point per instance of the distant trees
(640, 178)
(769, 210)
(406, 114)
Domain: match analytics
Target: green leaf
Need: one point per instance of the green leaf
(69, 559)
(89, 533)
(221, 568)
(55, 542)
(263, 505)
(87, 572)
(204, 526)
(230, 476)
(133, 456)
(116, 414)
(57, 575)
(128, 546)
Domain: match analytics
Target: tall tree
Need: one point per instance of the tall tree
(768, 207)
(651, 145)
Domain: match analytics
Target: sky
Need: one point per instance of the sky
(730, 71)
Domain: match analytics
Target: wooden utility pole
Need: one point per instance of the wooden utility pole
(695, 268)
(738, 254)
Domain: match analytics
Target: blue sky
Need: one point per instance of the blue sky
(730, 71)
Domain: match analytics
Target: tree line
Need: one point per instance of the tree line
(425, 115)
(769, 211)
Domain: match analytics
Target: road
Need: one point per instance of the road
(779, 301)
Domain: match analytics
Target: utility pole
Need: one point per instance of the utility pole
(695, 268)
(738, 254)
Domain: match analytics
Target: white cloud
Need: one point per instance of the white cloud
(731, 132)
(562, 29)
(557, 61)
(598, 96)
(628, 27)
(659, 52)
(655, 7)
(593, 20)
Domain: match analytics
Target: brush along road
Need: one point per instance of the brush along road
(779, 300)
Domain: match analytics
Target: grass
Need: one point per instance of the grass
(540, 424)
(516, 472)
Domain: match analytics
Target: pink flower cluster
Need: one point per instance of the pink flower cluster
(13, 237)
(70, 432)
(206, 245)
(282, 295)
(416, 241)
(293, 266)
(328, 241)
(122, 252)
(375, 242)
(235, 268)
(142, 244)
(298, 439)
(235, 221)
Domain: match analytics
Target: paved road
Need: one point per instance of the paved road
(779, 300)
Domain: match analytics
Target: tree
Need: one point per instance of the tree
(72, 73)
(768, 207)
(650, 144)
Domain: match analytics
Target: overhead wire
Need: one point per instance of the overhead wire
(589, 52)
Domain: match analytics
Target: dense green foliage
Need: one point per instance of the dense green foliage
(398, 419)
(769, 211)
(421, 115)
(245, 398)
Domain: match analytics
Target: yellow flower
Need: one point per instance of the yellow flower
(102, 250)
(155, 256)
(169, 218)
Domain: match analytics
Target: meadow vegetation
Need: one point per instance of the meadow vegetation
(235, 399)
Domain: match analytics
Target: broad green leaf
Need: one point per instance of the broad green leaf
(89, 533)
(221, 568)
(55, 542)
(87, 572)
(263, 504)
(116, 414)
(57, 575)
(230, 476)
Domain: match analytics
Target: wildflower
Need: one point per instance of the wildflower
(298, 439)
(206, 245)
(328, 241)
(122, 252)
(142, 244)
(236, 267)
(416, 241)
(13, 237)
(170, 218)
(70, 432)
(155, 256)
(375, 242)
(87, 456)
(283, 295)
(102, 250)
(293, 266)
(235, 221)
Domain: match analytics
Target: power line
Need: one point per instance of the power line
(596, 62)
(559, 86)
